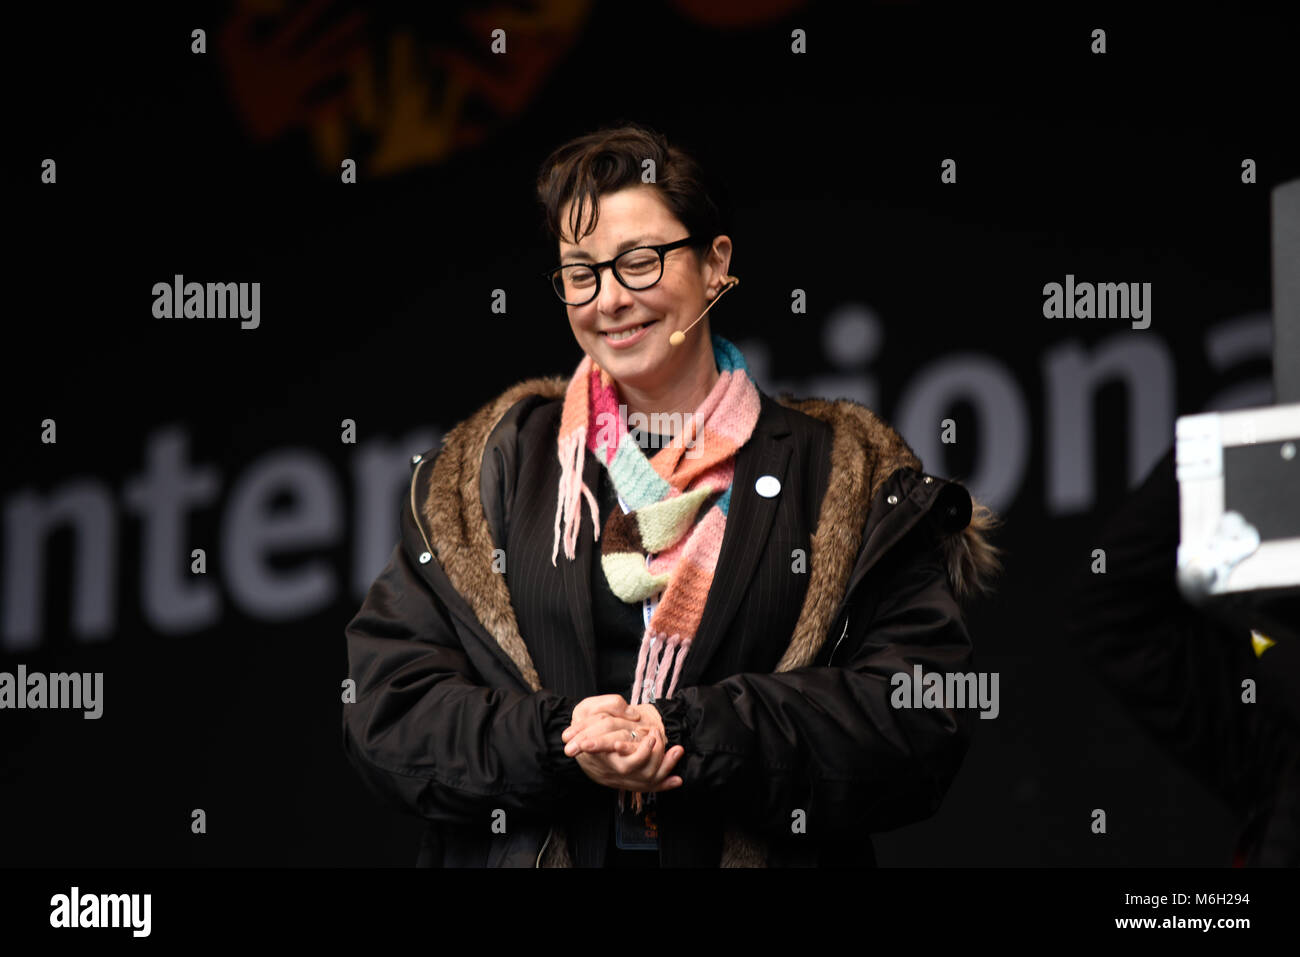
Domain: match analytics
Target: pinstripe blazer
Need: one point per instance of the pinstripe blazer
(471, 648)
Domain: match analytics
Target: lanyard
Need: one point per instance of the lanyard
(649, 605)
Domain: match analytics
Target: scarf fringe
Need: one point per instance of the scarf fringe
(572, 486)
(660, 655)
(647, 650)
(660, 659)
(665, 666)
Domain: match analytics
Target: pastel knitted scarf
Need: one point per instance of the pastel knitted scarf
(668, 541)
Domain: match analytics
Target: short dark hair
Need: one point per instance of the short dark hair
(610, 159)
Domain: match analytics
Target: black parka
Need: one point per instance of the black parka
(471, 649)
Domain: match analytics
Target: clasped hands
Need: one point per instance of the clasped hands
(598, 737)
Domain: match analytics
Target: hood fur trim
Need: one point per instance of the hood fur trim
(865, 452)
(974, 563)
(458, 527)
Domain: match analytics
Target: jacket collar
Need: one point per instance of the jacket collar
(866, 456)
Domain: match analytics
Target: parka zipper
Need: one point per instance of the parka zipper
(856, 583)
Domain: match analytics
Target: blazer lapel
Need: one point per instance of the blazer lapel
(749, 520)
(577, 590)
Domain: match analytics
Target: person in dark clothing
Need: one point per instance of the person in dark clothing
(1179, 669)
(692, 664)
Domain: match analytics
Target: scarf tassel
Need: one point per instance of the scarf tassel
(660, 659)
(571, 487)
(647, 667)
(660, 655)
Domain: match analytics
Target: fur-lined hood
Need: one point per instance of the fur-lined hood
(876, 488)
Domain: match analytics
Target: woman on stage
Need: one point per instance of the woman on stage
(648, 615)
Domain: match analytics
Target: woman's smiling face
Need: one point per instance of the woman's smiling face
(636, 216)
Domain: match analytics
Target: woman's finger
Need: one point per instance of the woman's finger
(611, 725)
(619, 762)
(576, 730)
(655, 774)
(577, 725)
(630, 764)
(615, 741)
(664, 772)
(599, 729)
(595, 728)
(646, 776)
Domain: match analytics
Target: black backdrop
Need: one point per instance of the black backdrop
(376, 307)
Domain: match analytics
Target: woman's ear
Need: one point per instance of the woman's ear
(720, 261)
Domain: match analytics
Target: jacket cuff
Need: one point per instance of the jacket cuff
(677, 728)
(566, 769)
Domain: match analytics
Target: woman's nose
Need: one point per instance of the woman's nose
(614, 296)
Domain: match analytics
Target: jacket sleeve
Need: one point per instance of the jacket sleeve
(425, 732)
(826, 740)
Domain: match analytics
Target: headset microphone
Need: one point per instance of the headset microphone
(678, 337)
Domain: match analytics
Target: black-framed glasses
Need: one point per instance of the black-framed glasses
(637, 268)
